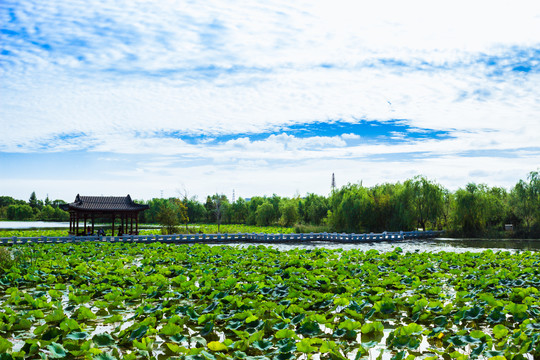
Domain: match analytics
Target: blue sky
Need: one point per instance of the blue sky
(114, 97)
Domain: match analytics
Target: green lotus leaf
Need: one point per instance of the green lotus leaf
(372, 327)
(285, 333)
(56, 351)
(56, 316)
(411, 329)
(206, 355)
(21, 324)
(84, 313)
(500, 331)
(178, 338)
(399, 356)
(211, 307)
(138, 333)
(5, 345)
(113, 319)
(280, 326)
(440, 321)
(305, 346)
(103, 339)
(473, 313)
(285, 356)
(350, 325)
(69, 324)
(478, 350)
(298, 318)
(309, 328)
(207, 329)
(239, 355)
(104, 356)
(170, 329)
(494, 355)
(51, 333)
(217, 346)
(462, 340)
(262, 345)
(175, 348)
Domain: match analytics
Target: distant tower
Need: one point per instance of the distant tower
(233, 195)
(161, 193)
(333, 182)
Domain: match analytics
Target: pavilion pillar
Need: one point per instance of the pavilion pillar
(137, 223)
(92, 223)
(84, 224)
(77, 228)
(113, 224)
(131, 225)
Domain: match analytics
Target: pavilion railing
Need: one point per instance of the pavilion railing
(228, 238)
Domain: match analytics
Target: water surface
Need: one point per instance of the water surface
(431, 245)
(32, 225)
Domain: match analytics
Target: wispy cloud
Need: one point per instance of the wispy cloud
(269, 83)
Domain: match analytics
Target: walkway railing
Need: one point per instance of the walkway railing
(228, 238)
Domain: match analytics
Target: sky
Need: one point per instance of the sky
(173, 98)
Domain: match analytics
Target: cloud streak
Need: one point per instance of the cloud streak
(266, 84)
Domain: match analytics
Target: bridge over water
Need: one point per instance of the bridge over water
(228, 238)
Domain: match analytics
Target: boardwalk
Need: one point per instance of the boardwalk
(228, 238)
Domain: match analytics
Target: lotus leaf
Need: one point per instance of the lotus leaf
(56, 351)
(103, 340)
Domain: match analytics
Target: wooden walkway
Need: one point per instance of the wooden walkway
(228, 238)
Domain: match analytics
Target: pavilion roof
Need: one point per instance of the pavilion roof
(103, 204)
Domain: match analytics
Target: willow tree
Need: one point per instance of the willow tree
(427, 200)
(525, 200)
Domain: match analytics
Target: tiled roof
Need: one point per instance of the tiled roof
(104, 203)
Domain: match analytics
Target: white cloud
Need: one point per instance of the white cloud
(123, 75)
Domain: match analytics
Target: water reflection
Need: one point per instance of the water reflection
(431, 245)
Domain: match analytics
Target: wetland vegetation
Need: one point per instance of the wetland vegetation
(157, 301)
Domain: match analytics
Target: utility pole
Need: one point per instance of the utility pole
(333, 182)
(233, 196)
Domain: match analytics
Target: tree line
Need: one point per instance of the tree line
(33, 209)
(417, 203)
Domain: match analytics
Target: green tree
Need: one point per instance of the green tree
(426, 200)
(19, 212)
(168, 218)
(33, 201)
(182, 211)
(239, 211)
(47, 213)
(264, 214)
(315, 209)
(252, 206)
(351, 208)
(289, 212)
(525, 200)
(470, 210)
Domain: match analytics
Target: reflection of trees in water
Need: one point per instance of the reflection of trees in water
(434, 245)
(526, 244)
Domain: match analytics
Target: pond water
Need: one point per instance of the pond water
(32, 224)
(431, 245)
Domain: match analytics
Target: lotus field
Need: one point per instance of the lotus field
(159, 301)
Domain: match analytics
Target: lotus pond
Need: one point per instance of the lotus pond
(158, 301)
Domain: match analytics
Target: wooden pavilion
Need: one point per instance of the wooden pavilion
(90, 208)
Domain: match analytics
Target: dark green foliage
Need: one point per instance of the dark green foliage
(197, 301)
